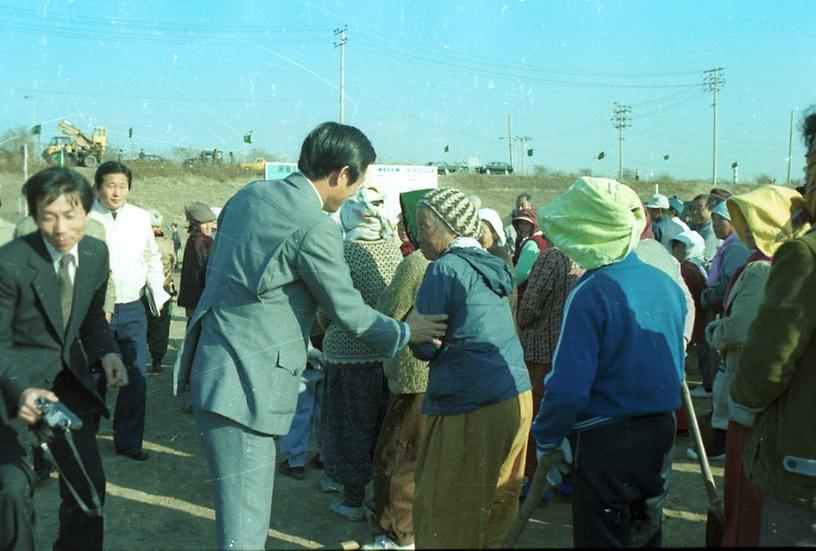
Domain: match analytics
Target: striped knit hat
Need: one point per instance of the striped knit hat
(454, 209)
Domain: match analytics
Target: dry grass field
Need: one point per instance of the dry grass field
(166, 502)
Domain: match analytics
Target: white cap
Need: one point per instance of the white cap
(658, 201)
(492, 217)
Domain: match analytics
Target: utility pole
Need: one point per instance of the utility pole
(341, 43)
(620, 118)
(34, 118)
(713, 80)
(523, 140)
(510, 141)
(790, 148)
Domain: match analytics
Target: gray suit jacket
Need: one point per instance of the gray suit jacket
(277, 257)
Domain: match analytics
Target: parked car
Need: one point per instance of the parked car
(442, 168)
(496, 167)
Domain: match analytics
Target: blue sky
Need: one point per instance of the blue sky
(421, 75)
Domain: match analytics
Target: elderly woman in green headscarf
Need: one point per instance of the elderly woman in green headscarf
(616, 373)
(355, 390)
(764, 219)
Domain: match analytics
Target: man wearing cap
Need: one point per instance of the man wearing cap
(664, 225)
(616, 372)
(158, 328)
(137, 275)
(478, 402)
(278, 257)
(202, 223)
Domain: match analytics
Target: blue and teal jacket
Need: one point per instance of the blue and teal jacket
(620, 354)
(481, 361)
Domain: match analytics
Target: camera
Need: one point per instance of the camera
(57, 416)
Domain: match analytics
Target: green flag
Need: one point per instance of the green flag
(36, 129)
(248, 137)
(666, 157)
(447, 149)
(530, 152)
(130, 132)
(601, 155)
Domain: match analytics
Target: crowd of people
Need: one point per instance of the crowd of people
(438, 359)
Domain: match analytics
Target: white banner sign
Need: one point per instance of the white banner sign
(391, 180)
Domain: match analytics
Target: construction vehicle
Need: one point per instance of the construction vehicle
(77, 148)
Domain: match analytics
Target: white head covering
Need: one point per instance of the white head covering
(362, 216)
(492, 217)
(695, 248)
(658, 201)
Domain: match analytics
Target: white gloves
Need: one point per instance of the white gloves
(555, 475)
(740, 413)
(709, 331)
(315, 357)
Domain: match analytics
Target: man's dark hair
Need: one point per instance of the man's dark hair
(111, 167)
(809, 126)
(332, 146)
(525, 196)
(48, 184)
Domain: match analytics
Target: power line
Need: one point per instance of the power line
(416, 46)
(530, 77)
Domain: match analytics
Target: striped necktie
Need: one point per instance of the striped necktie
(66, 287)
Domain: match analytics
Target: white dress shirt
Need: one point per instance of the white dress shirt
(56, 256)
(135, 259)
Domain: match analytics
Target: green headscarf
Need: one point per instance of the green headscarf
(408, 204)
(596, 222)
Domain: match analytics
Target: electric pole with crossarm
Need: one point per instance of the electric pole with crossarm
(713, 80)
(620, 118)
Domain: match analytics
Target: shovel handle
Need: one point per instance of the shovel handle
(711, 488)
(538, 486)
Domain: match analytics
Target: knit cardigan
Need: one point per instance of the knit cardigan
(405, 373)
(372, 265)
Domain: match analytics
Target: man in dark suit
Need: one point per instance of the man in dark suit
(53, 336)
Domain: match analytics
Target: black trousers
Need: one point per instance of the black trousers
(622, 476)
(17, 519)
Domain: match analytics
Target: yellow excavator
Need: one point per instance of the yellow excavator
(77, 148)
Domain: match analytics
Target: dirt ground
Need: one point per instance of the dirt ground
(166, 502)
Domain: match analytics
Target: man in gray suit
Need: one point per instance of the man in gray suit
(277, 258)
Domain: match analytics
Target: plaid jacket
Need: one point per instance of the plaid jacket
(551, 279)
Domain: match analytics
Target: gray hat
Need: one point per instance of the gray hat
(199, 213)
(156, 219)
(455, 210)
